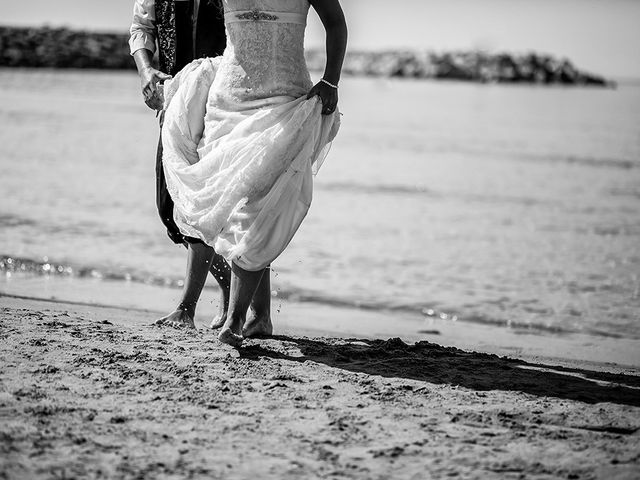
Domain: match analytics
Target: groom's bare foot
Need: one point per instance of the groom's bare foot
(258, 326)
(218, 321)
(177, 319)
(221, 317)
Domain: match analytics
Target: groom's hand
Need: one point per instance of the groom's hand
(328, 95)
(151, 81)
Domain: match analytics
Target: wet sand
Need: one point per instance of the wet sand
(93, 392)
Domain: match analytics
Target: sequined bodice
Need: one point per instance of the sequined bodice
(265, 50)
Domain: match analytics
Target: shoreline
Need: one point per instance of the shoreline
(601, 353)
(95, 392)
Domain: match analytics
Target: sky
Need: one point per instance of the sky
(601, 36)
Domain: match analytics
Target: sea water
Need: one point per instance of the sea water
(515, 206)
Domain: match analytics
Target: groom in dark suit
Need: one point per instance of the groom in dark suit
(182, 30)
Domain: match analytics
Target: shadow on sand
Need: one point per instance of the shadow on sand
(429, 362)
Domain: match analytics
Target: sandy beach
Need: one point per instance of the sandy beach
(93, 392)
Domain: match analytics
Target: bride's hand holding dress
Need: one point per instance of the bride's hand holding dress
(328, 96)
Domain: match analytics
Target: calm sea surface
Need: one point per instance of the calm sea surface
(507, 205)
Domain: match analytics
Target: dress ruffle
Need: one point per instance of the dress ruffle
(240, 172)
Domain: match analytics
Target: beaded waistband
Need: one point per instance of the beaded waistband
(264, 16)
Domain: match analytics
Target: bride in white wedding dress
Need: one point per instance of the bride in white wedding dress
(242, 135)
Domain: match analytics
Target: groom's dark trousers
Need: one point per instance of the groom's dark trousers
(184, 33)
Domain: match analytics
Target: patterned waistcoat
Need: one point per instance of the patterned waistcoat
(178, 44)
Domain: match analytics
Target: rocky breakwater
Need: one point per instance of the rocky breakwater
(474, 66)
(65, 48)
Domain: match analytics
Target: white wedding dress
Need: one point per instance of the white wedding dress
(241, 140)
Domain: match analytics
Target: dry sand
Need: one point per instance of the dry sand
(91, 392)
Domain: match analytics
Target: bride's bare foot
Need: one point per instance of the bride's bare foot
(230, 338)
(258, 326)
(231, 332)
(177, 319)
